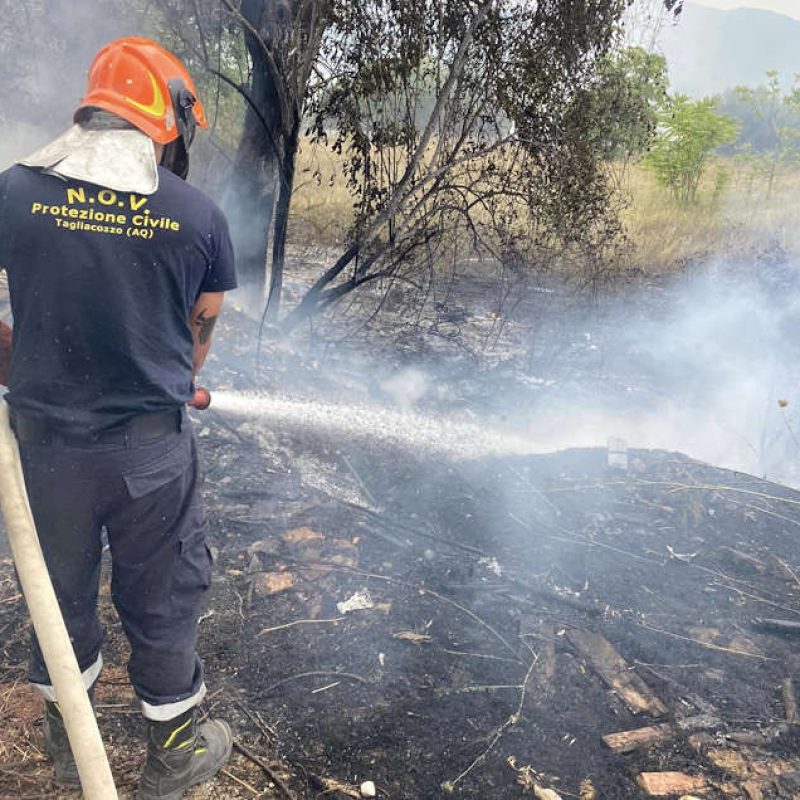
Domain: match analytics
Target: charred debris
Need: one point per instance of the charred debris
(589, 623)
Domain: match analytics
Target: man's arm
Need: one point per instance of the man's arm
(202, 321)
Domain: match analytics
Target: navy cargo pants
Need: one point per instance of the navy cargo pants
(143, 489)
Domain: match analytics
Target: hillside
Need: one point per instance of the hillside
(710, 50)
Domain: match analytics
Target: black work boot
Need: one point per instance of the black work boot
(181, 753)
(57, 746)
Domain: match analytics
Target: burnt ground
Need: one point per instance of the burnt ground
(467, 672)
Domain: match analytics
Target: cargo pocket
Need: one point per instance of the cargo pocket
(142, 480)
(191, 576)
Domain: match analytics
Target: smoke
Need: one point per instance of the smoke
(406, 387)
(19, 141)
(705, 365)
(45, 53)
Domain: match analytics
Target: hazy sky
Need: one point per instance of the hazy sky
(789, 7)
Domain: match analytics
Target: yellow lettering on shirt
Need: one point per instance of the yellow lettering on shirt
(80, 213)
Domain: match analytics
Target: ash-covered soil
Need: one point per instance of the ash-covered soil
(476, 574)
(424, 621)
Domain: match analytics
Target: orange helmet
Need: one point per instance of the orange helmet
(143, 83)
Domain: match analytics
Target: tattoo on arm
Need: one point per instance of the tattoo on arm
(206, 326)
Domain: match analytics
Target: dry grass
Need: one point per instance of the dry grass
(739, 218)
(322, 206)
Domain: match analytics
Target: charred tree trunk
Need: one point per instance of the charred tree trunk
(250, 202)
(283, 39)
(281, 226)
(253, 189)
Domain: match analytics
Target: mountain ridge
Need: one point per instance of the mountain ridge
(709, 50)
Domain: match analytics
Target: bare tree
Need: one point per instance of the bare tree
(460, 120)
(464, 128)
(281, 40)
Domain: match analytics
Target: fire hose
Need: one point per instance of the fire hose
(79, 720)
(84, 737)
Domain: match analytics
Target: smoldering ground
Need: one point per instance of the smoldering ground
(406, 466)
(704, 364)
(463, 565)
(414, 483)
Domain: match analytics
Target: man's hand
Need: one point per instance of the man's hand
(202, 321)
(5, 353)
(201, 400)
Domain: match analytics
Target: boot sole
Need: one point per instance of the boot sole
(198, 779)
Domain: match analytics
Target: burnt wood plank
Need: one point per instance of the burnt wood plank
(617, 673)
(664, 784)
(628, 741)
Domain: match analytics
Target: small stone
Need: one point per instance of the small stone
(368, 789)
(360, 601)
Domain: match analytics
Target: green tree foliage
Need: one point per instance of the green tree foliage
(689, 131)
(500, 163)
(454, 117)
(623, 102)
(769, 136)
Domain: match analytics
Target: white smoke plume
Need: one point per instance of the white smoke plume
(706, 366)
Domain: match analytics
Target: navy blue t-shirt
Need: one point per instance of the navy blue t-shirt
(102, 284)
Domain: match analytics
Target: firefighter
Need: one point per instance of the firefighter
(117, 270)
